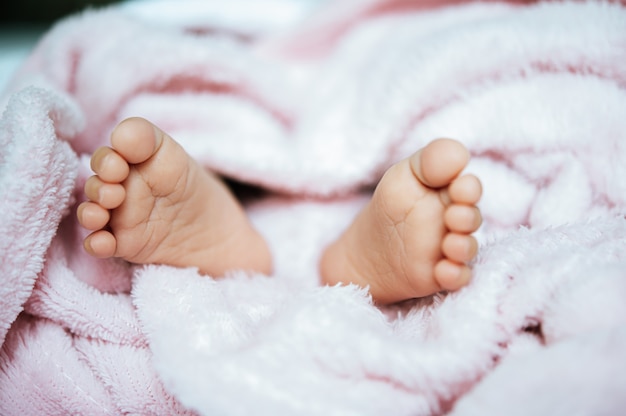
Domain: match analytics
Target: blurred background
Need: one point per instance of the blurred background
(22, 22)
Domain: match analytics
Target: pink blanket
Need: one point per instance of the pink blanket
(312, 101)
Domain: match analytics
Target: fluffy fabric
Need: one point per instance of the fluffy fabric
(312, 101)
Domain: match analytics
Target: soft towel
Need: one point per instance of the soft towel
(312, 104)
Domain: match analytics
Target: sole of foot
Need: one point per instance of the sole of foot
(150, 202)
(414, 238)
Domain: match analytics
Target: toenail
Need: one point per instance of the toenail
(87, 246)
(462, 277)
(96, 160)
(158, 137)
(444, 196)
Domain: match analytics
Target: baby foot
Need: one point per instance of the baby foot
(413, 238)
(149, 202)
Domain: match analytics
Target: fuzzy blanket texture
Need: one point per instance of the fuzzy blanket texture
(312, 101)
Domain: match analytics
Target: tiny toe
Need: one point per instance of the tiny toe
(136, 139)
(109, 165)
(452, 276)
(462, 218)
(459, 248)
(466, 189)
(92, 216)
(437, 164)
(108, 195)
(101, 244)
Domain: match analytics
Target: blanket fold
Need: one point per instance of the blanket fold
(37, 175)
(313, 107)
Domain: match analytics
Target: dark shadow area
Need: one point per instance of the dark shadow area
(43, 12)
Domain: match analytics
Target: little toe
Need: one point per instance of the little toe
(451, 275)
(466, 189)
(462, 218)
(101, 244)
(109, 165)
(108, 195)
(437, 164)
(459, 248)
(136, 139)
(92, 216)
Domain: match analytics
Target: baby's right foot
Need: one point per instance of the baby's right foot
(414, 237)
(149, 202)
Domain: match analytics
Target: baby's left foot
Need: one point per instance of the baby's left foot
(413, 238)
(150, 202)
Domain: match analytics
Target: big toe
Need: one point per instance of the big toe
(437, 164)
(136, 139)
